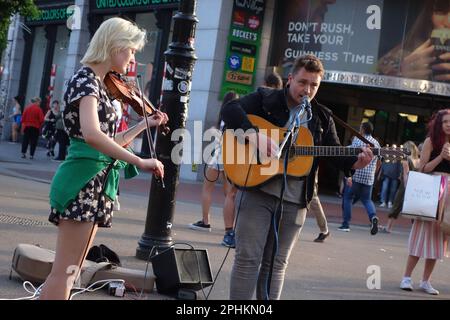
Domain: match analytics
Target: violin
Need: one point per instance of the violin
(126, 92)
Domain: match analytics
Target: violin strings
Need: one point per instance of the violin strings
(144, 113)
(151, 143)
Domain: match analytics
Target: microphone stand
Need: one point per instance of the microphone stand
(292, 130)
(289, 139)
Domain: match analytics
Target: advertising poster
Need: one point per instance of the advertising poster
(391, 44)
(244, 40)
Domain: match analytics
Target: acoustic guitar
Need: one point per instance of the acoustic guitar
(245, 167)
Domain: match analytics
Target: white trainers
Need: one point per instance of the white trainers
(406, 284)
(389, 204)
(426, 286)
(382, 205)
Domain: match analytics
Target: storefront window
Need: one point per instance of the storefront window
(60, 58)
(145, 58)
(37, 67)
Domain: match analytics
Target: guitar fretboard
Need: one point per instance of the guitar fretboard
(334, 151)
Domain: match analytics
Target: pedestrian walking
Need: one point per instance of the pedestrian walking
(32, 120)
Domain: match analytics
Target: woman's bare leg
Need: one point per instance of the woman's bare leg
(429, 267)
(14, 132)
(410, 265)
(228, 207)
(208, 188)
(74, 240)
(389, 225)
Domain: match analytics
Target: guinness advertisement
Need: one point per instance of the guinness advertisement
(402, 45)
(244, 39)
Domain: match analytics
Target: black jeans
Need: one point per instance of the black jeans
(63, 140)
(30, 136)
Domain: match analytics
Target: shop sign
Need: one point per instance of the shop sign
(373, 80)
(243, 48)
(51, 15)
(239, 77)
(375, 43)
(145, 4)
(244, 39)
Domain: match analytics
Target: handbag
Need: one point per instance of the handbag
(422, 196)
(444, 222)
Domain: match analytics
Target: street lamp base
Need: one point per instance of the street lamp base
(148, 247)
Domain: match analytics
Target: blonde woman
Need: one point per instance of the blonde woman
(84, 187)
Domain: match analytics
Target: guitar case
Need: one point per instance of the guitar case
(33, 263)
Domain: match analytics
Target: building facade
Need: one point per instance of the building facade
(364, 46)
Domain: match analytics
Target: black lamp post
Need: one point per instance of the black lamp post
(180, 59)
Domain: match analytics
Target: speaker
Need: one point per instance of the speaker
(177, 268)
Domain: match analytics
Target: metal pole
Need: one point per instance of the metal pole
(180, 59)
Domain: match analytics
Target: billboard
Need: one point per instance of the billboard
(401, 45)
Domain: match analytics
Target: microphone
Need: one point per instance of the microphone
(294, 122)
(301, 108)
(307, 102)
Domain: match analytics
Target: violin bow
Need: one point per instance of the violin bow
(149, 136)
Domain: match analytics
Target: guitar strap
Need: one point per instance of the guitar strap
(346, 126)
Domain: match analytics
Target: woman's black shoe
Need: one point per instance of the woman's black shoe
(322, 236)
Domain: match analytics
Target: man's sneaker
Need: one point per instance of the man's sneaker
(389, 204)
(382, 205)
(199, 225)
(344, 228)
(426, 286)
(322, 236)
(228, 239)
(406, 284)
(374, 226)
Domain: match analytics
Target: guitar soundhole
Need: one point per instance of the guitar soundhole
(291, 154)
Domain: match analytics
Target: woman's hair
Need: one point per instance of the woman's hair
(36, 100)
(112, 36)
(421, 30)
(435, 131)
(229, 96)
(412, 148)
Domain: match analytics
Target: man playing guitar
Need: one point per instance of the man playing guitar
(263, 244)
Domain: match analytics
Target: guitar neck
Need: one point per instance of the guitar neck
(331, 151)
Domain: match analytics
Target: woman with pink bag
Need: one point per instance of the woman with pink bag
(426, 239)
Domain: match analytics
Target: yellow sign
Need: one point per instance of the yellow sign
(239, 77)
(248, 64)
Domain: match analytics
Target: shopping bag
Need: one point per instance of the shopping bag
(422, 195)
(444, 221)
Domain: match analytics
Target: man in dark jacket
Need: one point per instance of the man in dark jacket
(255, 232)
